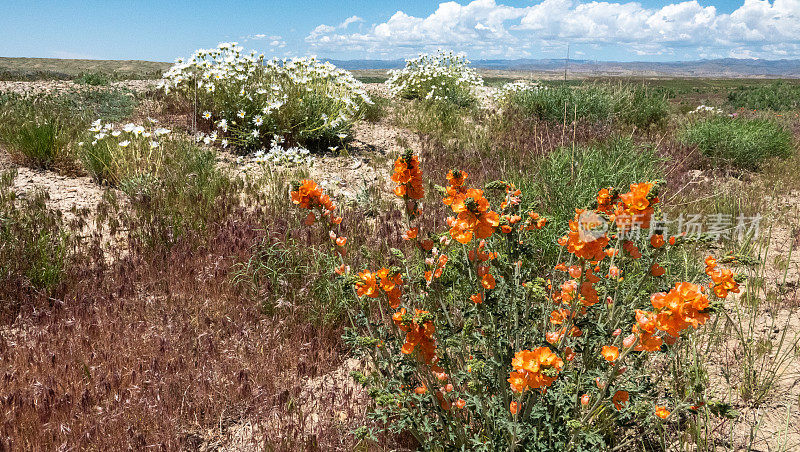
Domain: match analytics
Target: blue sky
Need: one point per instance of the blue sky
(358, 29)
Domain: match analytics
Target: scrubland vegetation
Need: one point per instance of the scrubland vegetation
(537, 266)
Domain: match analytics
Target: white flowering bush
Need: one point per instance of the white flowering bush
(444, 76)
(247, 100)
(114, 154)
(704, 109)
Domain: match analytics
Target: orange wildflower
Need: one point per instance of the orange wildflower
(411, 234)
(685, 305)
(419, 335)
(722, 278)
(662, 412)
(308, 195)
(620, 399)
(657, 240)
(461, 403)
(657, 270)
(514, 407)
(476, 298)
(610, 353)
(585, 399)
(534, 369)
(408, 177)
(367, 285)
(474, 217)
(604, 200)
(586, 238)
(637, 208)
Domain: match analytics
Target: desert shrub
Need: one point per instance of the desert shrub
(743, 143)
(118, 155)
(92, 79)
(636, 106)
(38, 130)
(641, 107)
(34, 246)
(377, 110)
(179, 199)
(443, 76)
(472, 348)
(248, 101)
(779, 96)
(560, 103)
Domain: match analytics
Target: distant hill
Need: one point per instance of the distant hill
(725, 67)
(65, 69)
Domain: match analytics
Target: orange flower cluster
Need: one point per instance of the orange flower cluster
(408, 177)
(308, 195)
(534, 221)
(685, 305)
(644, 329)
(534, 369)
(570, 288)
(636, 207)
(586, 237)
(371, 284)
(419, 331)
(512, 196)
(438, 269)
(474, 216)
(722, 281)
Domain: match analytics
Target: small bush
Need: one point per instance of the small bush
(561, 103)
(471, 346)
(377, 110)
(442, 77)
(248, 102)
(635, 106)
(119, 155)
(780, 96)
(743, 143)
(39, 131)
(641, 107)
(92, 79)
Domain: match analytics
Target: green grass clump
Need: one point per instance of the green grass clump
(562, 103)
(34, 246)
(38, 131)
(92, 79)
(642, 107)
(742, 143)
(779, 96)
(637, 106)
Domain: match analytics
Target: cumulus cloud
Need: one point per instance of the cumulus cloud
(486, 29)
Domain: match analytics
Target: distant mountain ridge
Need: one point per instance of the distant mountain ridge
(723, 67)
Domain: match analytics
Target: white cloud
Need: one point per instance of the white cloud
(350, 20)
(484, 28)
(275, 41)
